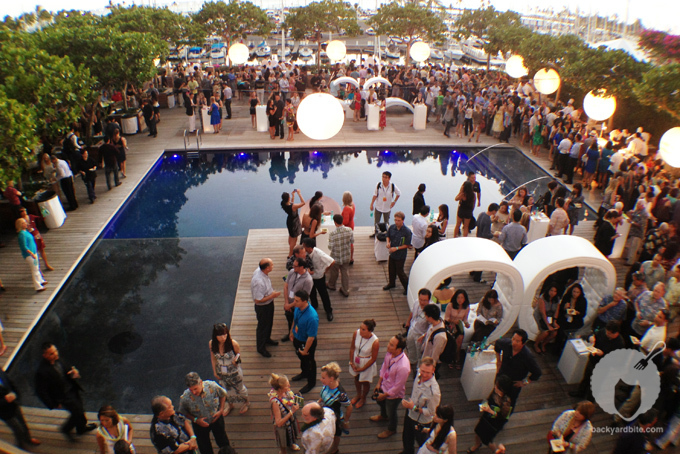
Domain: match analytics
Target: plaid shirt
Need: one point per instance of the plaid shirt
(339, 242)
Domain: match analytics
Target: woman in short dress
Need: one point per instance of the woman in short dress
(215, 116)
(456, 320)
(442, 436)
(271, 115)
(253, 112)
(348, 211)
(283, 408)
(112, 427)
(363, 353)
(293, 220)
(225, 355)
(495, 413)
(545, 312)
(357, 105)
(466, 205)
(383, 112)
(289, 116)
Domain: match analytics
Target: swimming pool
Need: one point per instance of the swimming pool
(165, 269)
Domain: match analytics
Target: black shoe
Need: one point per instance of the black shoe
(271, 342)
(307, 388)
(265, 353)
(576, 394)
(298, 377)
(388, 286)
(285, 338)
(329, 316)
(88, 428)
(372, 235)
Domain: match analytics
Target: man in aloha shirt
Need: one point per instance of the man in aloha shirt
(170, 432)
(203, 404)
(319, 428)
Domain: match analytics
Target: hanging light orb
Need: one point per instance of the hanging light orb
(515, 67)
(239, 53)
(336, 50)
(420, 51)
(669, 147)
(320, 116)
(598, 105)
(547, 81)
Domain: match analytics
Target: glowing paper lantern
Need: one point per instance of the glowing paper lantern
(547, 81)
(336, 50)
(669, 147)
(599, 107)
(420, 51)
(320, 116)
(515, 67)
(239, 53)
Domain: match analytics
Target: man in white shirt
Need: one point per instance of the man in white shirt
(419, 228)
(656, 332)
(319, 432)
(421, 407)
(263, 296)
(563, 156)
(65, 177)
(615, 161)
(321, 262)
(638, 147)
(228, 94)
(385, 196)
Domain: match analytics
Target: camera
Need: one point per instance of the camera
(376, 393)
(419, 427)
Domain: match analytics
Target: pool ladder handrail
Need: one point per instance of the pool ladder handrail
(187, 139)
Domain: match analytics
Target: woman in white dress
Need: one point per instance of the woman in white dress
(363, 353)
(443, 438)
(112, 427)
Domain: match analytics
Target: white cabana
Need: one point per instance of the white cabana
(376, 80)
(345, 80)
(389, 102)
(545, 256)
(461, 255)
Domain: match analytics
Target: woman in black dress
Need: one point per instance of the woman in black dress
(466, 205)
(606, 233)
(293, 220)
(571, 312)
(495, 413)
(253, 104)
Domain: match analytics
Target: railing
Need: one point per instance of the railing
(187, 139)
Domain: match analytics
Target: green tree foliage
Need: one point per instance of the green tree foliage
(660, 87)
(232, 20)
(540, 51)
(409, 22)
(316, 18)
(115, 58)
(159, 22)
(17, 138)
(54, 87)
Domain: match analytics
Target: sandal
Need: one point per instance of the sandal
(360, 403)
(470, 450)
(244, 408)
(228, 409)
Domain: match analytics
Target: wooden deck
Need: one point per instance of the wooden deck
(20, 307)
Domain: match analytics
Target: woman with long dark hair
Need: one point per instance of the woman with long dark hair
(572, 311)
(606, 232)
(431, 236)
(442, 221)
(112, 427)
(466, 205)
(443, 438)
(456, 319)
(547, 306)
(293, 220)
(495, 413)
(489, 315)
(225, 356)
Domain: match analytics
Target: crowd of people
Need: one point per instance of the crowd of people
(472, 102)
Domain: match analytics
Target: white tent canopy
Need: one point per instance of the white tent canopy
(630, 47)
(541, 258)
(461, 255)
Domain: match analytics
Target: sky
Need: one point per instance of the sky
(656, 14)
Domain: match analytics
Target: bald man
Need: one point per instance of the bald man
(263, 297)
(318, 438)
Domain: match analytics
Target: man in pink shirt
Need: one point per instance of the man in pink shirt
(391, 387)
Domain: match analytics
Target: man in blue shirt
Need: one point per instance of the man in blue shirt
(303, 334)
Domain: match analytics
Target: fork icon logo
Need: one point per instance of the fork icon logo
(632, 368)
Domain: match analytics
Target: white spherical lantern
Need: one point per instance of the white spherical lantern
(669, 147)
(547, 81)
(239, 53)
(420, 51)
(515, 67)
(599, 107)
(320, 116)
(336, 50)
